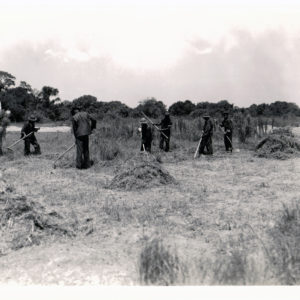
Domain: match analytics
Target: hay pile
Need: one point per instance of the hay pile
(25, 223)
(141, 171)
(281, 144)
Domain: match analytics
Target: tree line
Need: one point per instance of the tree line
(22, 100)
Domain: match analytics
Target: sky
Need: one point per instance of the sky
(243, 51)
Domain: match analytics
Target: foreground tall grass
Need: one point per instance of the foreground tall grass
(285, 241)
(274, 261)
(160, 265)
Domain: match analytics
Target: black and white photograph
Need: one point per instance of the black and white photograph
(150, 145)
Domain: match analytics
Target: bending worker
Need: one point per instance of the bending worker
(228, 126)
(146, 134)
(29, 129)
(207, 133)
(165, 132)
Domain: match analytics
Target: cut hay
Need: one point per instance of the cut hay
(281, 144)
(142, 171)
(66, 162)
(24, 222)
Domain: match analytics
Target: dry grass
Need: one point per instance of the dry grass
(285, 239)
(140, 172)
(219, 219)
(25, 222)
(281, 144)
(160, 265)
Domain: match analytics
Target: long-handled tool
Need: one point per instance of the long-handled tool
(21, 139)
(237, 150)
(155, 126)
(197, 150)
(54, 166)
(144, 151)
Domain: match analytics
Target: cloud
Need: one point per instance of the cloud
(248, 68)
(256, 68)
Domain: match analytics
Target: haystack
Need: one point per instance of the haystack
(141, 171)
(281, 144)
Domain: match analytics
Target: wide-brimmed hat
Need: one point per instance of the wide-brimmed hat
(143, 121)
(225, 112)
(205, 116)
(32, 118)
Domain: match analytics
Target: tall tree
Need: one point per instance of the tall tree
(6, 80)
(151, 107)
(24, 85)
(180, 108)
(46, 93)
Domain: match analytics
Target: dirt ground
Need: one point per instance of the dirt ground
(229, 198)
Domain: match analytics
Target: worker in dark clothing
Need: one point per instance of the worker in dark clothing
(147, 137)
(228, 127)
(29, 128)
(165, 132)
(207, 133)
(83, 125)
(4, 122)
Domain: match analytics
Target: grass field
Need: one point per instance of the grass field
(219, 224)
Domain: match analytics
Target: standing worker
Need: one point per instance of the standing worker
(4, 122)
(29, 128)
(83, 125)
(228, 127)
(207, 133)
(165, 129)
(147, 137)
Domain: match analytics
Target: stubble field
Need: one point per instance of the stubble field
(219, 223)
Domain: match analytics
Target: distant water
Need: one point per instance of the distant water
(43, 129)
